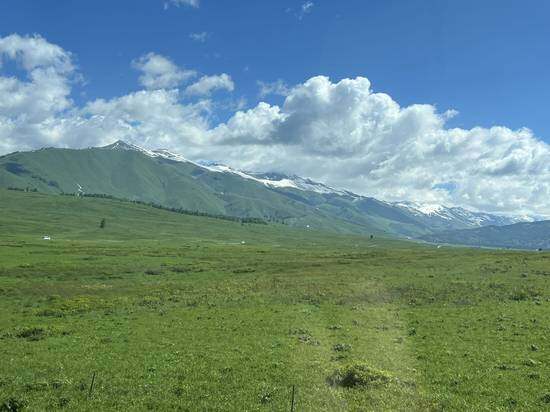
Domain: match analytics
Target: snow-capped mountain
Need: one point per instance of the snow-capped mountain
(435, 216)
(275, 180)
(458, 215)
(163, 153)
(300, 183)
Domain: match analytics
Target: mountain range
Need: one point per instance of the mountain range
(159, 176)
(525, 235)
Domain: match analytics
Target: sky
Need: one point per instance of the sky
(428, 101)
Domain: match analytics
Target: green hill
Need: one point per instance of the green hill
(32, 215)
(133, 175)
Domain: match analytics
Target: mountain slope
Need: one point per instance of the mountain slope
(526, 235)
(130, 172)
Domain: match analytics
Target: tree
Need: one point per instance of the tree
(102, 223)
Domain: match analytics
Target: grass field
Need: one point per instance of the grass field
(174, 312)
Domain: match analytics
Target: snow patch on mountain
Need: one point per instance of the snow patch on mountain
(276, 180)
(297, 182)
(162, 153)
(459, 214)
(428, 209)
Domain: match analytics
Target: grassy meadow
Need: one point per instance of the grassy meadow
(171, 312)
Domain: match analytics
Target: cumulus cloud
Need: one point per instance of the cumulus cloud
(342, 133)
(207, 84)
(159, 72)
(33, 52)
(348, 136)
(42, 93)
(37, 111)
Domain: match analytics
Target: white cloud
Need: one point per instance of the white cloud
(159, 72)
(33, 52)
(278, 87)
(348, 136)
(207, 84)
(178, 3)
(37, 111)
(200, 37)
(148, 117)
(341, 133)
(41, 94)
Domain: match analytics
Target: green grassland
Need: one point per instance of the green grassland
(175, 312)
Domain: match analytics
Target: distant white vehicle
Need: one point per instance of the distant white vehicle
(46, 237)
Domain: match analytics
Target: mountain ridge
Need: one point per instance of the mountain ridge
(160, 176)
(285, 180)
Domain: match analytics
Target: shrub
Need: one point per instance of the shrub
(63, 402)
(151, 301)
(304, 336)
(341, 347)
(32, 334)
(12, 405)
(265, 397)
(154, 272)
(359, 375)
(308, 339)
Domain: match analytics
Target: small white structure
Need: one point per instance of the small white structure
(243, 242)
(46, 237)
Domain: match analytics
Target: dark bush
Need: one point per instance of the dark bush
(12, 405)
(32, 334)
(359, 375)
(341, 347)
(154, 272)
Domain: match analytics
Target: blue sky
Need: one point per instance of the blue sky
(488, 60)
(429, 101)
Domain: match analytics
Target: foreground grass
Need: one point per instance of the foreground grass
(174, 312)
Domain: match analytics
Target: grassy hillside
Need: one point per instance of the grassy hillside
(133, 175)
(174, 312)
(533, 235)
